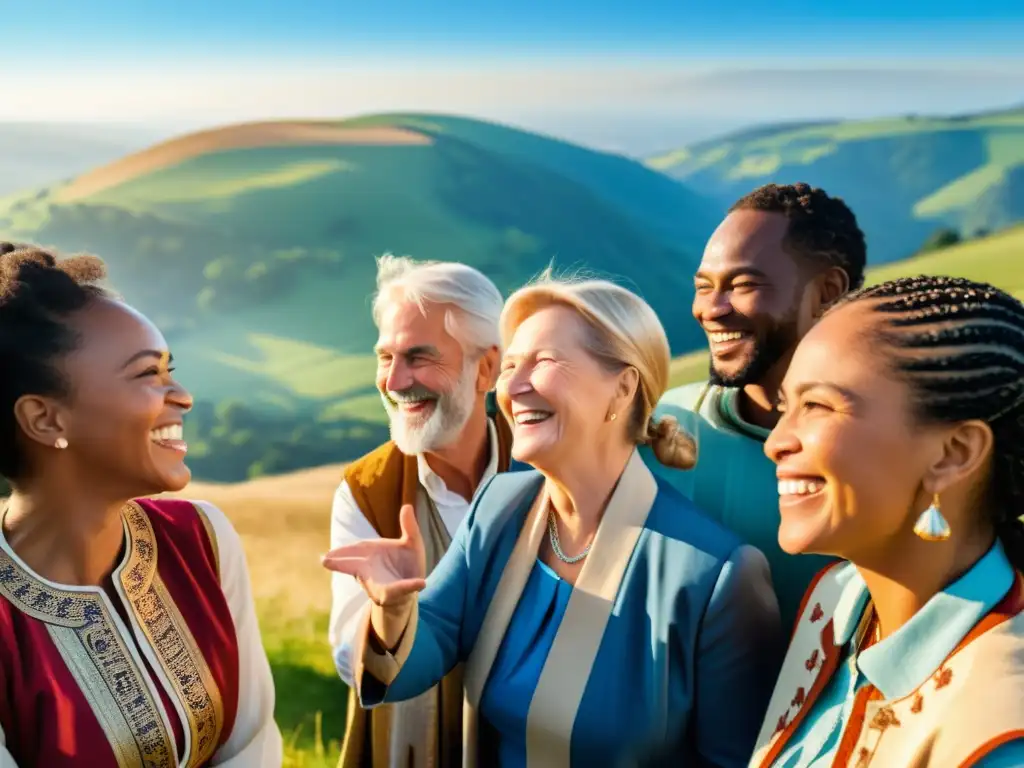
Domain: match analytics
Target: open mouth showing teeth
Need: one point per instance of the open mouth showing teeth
(719, 338)
(171, 436)
(532, 417)
(172, 432)
(804, 487)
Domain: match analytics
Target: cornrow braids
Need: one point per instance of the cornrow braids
(960, 347)
(822, 229)
(38, 294)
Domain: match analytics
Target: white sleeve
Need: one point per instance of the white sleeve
(255, 741)
(349, 602)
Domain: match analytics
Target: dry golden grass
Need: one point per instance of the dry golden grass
(284, 522)
(245, 136)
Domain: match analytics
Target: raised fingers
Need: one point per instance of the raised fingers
(410, 528)
(342, 564)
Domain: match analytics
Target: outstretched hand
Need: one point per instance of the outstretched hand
(389, 570)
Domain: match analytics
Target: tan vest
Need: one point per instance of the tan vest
(381, 482)
(972, 704)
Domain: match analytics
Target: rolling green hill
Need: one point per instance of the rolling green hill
(903, 177)
(997, 259)
(253, 246)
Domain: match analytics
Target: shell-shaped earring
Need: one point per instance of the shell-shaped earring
(931, 525)
(60, 443)
(611, 416)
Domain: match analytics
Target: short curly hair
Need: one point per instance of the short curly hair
(822, 229)
(38, 294)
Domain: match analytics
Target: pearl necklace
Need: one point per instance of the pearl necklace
(556, 546)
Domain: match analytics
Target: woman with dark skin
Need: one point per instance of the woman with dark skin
(128, 628)
(904, 456)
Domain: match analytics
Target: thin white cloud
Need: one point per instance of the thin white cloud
(548, 95)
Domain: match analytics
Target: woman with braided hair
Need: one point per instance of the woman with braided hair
(601, 618)
(900, 449)
(128, 634)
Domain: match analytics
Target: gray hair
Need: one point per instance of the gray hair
(475, 300)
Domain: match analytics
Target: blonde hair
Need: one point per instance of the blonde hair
(623, 331)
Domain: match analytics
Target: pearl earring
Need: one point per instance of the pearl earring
(60, 443)
(931, 525)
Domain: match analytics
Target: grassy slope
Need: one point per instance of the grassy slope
(903, 177)
(995, 259)
(503, 200)
(284, 523)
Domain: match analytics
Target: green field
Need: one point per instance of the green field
(903, 177)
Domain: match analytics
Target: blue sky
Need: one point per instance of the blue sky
(603, 72)
(475, 29)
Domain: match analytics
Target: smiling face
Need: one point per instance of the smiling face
(750, 297)
(555, 394)
(428, 386)
(850, 456)
(123, 418)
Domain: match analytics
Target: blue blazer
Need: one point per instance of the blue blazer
(666, 653)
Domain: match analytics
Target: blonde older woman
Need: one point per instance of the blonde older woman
(602, 620)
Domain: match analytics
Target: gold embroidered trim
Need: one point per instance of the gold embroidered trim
(175, 647)
(111, 719)
(99, 659)
(210, 534)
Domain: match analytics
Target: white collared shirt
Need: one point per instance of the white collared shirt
(349, 525)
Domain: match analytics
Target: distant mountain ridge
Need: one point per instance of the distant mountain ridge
(32, 154)
(903, 177)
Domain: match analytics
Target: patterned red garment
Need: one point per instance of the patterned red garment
(144, 673)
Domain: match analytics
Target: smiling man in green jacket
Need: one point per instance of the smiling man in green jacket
(780, 257)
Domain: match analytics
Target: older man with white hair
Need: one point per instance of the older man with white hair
(438, 353)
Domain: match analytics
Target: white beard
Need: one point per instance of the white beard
(414, 435)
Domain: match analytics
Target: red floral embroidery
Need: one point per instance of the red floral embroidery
(799, 698)
(817, 613)
(781, 725)
(812, 662)
(943, 678)
(918, 704)
(885, 718)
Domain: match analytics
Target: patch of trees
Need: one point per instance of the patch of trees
(941, 238)
(208, 266)
(229, 441)
(944, 237)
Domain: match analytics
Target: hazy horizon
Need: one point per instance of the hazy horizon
(110, 77)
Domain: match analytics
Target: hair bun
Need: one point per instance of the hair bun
(671, 445)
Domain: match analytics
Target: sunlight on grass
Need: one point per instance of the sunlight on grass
(308, 370)
(311, 699)
(220, 185)
(688, 368)
(993, 259)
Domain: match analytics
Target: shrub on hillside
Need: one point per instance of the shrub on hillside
(230, 442)
(211, 268)
(941, 238)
